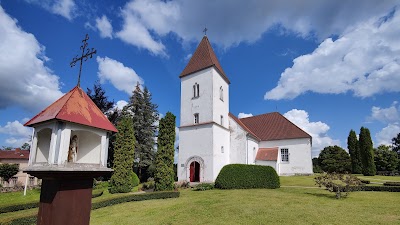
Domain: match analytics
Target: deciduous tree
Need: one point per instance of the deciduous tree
(385, 159)
(396, 144)
(366, 153)
(7, 171)
(334, 159)
(164, 174)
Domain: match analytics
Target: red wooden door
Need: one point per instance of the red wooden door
(192, 172)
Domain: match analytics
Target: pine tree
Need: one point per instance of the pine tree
(120, 181)
(164, 174)
(354, 151)
(367, 153)
(144, 116)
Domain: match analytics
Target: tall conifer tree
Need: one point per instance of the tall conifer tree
(354, 151)
(164, 174)
(123, 157)
(367, 153)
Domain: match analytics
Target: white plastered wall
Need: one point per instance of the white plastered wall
(238, 142)
(220, 159)
(299, 155)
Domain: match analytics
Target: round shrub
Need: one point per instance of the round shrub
(135, 180)
(241, 176)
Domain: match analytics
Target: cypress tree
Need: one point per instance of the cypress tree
(164, 174)
(124, 146)
(354, 151)
(367, 153)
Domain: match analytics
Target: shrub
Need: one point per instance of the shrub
(149, 185)
(135, 180)
(13, 208)
(100, 185)
(391, 183)
(203, 187)
(241, 176)
(97, 193)
(341, 184)
(136, 197)
(365, 181)
(388, 173)
(380, 188)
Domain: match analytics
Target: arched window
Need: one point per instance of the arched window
(222, 120)
(196, 90)
(221, 93)
(222, 149)
(196, 118)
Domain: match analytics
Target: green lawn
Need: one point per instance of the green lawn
(290, 204)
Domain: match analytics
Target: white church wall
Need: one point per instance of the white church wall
(196, 141)
(221, 146)
(252, 148)
(220, 107)
(299, 155)
(266, 163)
(202, 104)
(89, 147)
(237, 142)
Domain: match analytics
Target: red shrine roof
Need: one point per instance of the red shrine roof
(14, 154)
(267, 154)
(77, 107)
(272, 126)
(204, 57)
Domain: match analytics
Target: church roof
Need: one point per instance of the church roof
(203, 58)
(273, 126)
(267, 154)
(77, 107)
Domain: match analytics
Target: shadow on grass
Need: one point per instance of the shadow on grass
(323, 195)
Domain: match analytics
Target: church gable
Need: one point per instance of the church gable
(273, 126)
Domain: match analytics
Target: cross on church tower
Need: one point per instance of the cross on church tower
(205, 31)
(89, 54)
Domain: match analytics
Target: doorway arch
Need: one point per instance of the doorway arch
(195, 169)
(194, 172)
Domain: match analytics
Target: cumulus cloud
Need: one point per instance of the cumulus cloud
(364, 60)
(318, 130)
(16, 133)
(104, 26)
(121, 104)
(244, 115)
(123, 78)
(22, 62)
(390, 117)
(64, 8)
(230, 23)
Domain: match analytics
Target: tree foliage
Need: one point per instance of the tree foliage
(385, 159)
(121, 180)
(354, 151)
(164, 174)
(144, 116)
(334, 159)
(396, 144)
(25, 146)
(7, 171)
(367, 153)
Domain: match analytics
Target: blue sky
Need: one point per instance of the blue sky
(328, 67)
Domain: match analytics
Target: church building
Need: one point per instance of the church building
(211, 137)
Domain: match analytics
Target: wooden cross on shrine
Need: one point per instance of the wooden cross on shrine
(89, 54)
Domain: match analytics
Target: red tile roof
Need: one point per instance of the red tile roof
(77, 107)
(243, 126)
(273, 126)
(14, 154)
(267, 154)
(204, 57)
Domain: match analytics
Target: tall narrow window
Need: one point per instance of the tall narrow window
(284, 155)
(196, 91)
(222, 149)
(222, 120)
(196, 118)
(221, 93)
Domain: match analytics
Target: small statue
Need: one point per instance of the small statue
(73, 149)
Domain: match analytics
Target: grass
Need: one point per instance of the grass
(15, 198)
(286, 205)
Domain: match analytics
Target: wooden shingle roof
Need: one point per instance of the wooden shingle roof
(76, 107)
(203, 58)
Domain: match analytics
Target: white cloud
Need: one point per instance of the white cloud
(104, 26)
(22, 62)
(318, 130)
(16, 133)
(244, 115)
(65, 8)
(230, 23)
(391, 118)
(364, 60)
(121, 104)
(123, 78)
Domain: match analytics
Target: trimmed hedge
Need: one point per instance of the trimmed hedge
(365, 181)
(242, 176)
(391, 183)
(380, 188)
(27, 220)
(13, 208)
(138, 197)
(388, 173)
(97, 193)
